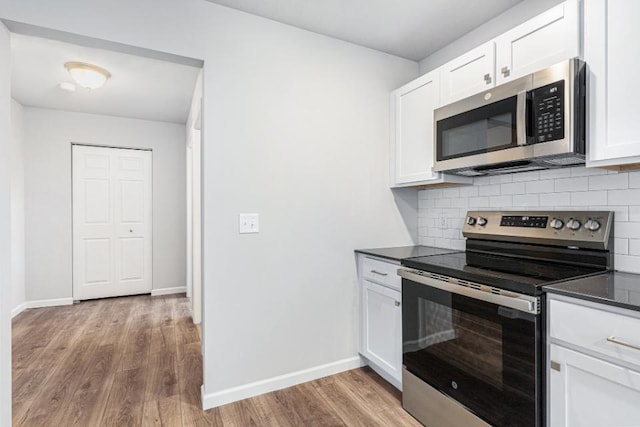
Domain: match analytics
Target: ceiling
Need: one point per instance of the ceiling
(139, 87)
(411, 29)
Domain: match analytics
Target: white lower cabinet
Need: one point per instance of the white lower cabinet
(381, 323)
(589, 392)
(593, 367)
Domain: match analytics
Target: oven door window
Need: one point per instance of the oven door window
(488, 128)
(479, 354)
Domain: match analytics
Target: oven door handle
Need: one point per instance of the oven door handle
(525, 303)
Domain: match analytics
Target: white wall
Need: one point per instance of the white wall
(17, 209)
(48, 135)
(296, 129)
(5, 228)
(562, 189)
(507, 20)
(194, 201)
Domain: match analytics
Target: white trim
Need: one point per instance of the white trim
(48, 302)
(246, 391)
(19, 309)
(168, 291)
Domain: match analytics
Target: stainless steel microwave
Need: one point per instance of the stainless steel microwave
(534, 122)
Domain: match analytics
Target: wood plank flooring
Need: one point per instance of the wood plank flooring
(136, 361)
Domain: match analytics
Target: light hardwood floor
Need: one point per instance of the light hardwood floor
(135, 361)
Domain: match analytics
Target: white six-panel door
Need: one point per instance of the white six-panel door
(112, 211)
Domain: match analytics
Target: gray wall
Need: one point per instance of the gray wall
(48, 135)
(513, 17)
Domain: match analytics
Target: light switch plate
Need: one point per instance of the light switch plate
(249, 223)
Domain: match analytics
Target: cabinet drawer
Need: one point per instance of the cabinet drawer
(596, 330)
(384, 273)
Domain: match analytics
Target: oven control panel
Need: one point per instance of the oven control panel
(586, 229)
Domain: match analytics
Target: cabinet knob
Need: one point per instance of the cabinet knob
(505, 70)
(555, 365)
(397, 303)
(487, 78)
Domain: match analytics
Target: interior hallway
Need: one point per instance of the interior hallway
(134, 361)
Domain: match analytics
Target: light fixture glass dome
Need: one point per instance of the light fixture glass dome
(87, 75)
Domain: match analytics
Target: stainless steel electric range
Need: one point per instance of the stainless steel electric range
(473, 333)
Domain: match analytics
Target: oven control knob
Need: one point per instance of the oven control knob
(574, 224)
(471, 220)
(592, 225)
(557, 223)
(482, 221)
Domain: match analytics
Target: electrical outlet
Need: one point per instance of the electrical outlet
(442, 220)
(249, 223)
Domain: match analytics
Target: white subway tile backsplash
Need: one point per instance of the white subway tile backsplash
(582, 171)
(609, 182)
(500, 201)
(540, 186)
(526, 200)
(526, 176)
(560, 189)
(588, 198)
(469, 191)
(624, 197)
(443, 203)
(489, 190)
(478, 202)
(512, 188)
(630, 230)
(634, 247)
(621, 246)
(572, 184)
(451, 192)
(500, 179)
(554, 199)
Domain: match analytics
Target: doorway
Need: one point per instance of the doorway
(112, 222)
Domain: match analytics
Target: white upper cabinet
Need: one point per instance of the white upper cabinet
(468, 74)
(412, 144)
(612, 53)
(545, 40)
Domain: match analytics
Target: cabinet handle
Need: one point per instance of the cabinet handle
(378, 273)
(555, 366)
(505, 70)
(397, 303)
(487, 78)
(615, 340)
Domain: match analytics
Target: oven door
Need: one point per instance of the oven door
(482, 354)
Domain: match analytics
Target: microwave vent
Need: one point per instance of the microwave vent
(563, 161)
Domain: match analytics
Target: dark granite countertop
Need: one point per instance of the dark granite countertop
(403, 252)
(613, 288)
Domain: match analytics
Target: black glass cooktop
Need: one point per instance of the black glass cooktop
(511, 273)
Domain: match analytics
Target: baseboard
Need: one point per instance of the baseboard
(49, 302)
(234, 394)
(168, 291)
(19, 309)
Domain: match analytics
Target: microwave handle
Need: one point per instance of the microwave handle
(521, 118)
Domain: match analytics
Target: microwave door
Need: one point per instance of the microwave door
(489, 128)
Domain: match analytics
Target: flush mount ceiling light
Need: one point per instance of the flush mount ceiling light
(87, 75)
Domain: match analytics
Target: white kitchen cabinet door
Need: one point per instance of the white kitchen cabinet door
(111, 222)
(412, 134)
(612, 53)
(382, 328)
(589, 392)
(549, 38)
(471, 73)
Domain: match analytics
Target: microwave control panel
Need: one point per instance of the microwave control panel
(548, 112)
